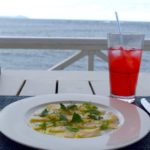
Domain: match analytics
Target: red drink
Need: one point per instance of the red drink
(124, 65)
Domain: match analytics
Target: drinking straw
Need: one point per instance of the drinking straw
(118, 23)
(119, 28)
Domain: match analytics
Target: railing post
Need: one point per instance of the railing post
(91, 60)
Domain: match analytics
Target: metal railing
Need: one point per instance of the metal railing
(90, 47)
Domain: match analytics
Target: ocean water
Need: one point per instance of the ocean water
(44, 59)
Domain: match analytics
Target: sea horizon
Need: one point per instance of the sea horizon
(70, 19)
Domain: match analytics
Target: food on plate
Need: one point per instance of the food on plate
(74, 120)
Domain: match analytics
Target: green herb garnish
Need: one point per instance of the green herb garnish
(95, 112)
(73, 106)
(105, 125)
(63, 107)
(63, 117)
(44, 113)
(76, 118)
(72, 129)
(43, 125)
(95, 117)
(89, 106)
(69, 107)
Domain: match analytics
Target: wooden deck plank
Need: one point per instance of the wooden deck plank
(74, 86)
(44, 82)
(34, 87)
(100, 87)
(10, 86)
(54, 75)
(143, 85)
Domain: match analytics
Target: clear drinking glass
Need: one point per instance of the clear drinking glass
(124, 57)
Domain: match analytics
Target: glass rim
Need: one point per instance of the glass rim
(120, 39)
(126, 33)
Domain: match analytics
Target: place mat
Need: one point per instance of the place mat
(7, 144)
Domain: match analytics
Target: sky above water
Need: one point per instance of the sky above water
(132, 10)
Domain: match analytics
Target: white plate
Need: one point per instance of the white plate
(134, 124)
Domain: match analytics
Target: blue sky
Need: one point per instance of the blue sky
(133, 10)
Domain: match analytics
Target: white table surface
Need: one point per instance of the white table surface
(37, 82)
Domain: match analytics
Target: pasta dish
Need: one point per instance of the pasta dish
(73, 120)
